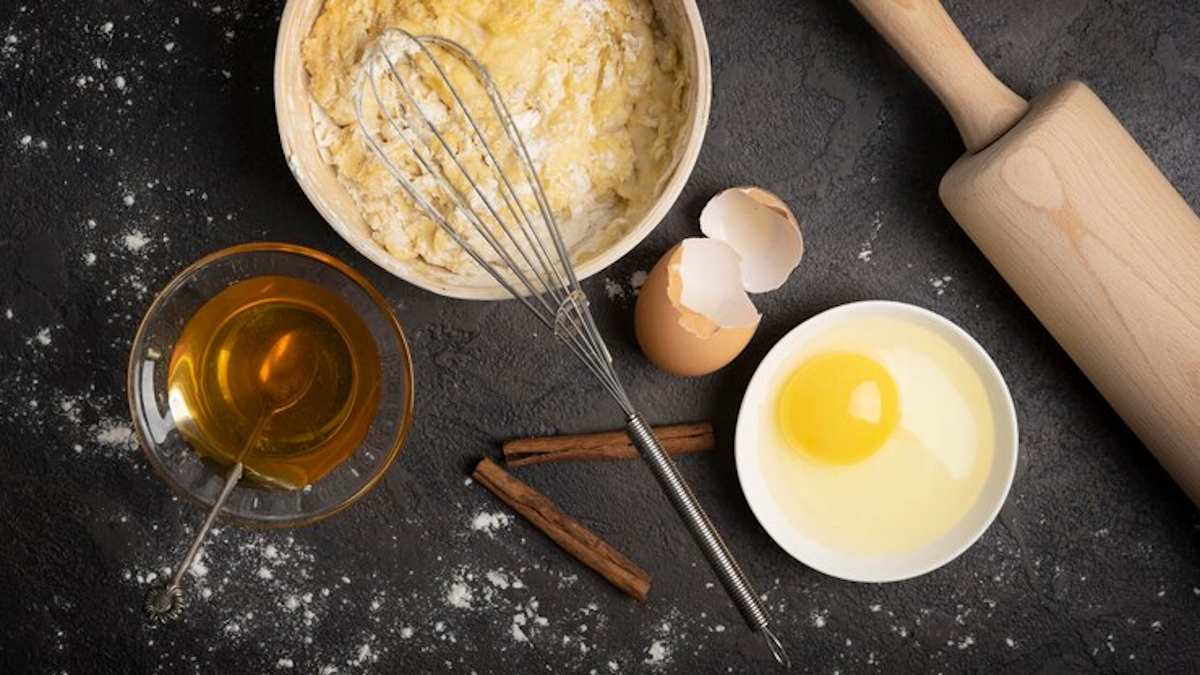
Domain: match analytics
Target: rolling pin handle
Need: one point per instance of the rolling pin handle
(925, 36)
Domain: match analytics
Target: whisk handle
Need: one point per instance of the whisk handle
(727, 569)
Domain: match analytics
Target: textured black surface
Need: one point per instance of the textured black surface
(135, 137)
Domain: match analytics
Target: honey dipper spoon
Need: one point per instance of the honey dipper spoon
(285, 376)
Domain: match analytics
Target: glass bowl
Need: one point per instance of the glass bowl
(199, 480)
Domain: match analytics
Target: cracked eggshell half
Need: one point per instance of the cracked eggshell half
(763, 231)
(692, 315)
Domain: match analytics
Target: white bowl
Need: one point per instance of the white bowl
(885, 567)
(319, 180)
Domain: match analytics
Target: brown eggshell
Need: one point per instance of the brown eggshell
(675, 338)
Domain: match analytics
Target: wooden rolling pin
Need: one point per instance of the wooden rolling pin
(1081, 224)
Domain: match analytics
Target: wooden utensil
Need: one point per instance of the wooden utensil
(1081, 224)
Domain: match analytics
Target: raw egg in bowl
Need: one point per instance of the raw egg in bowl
(876, 441)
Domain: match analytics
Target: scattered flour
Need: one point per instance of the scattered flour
(490, 522)
(637, 280)
(526, 621)
(116, 435)
(498, 579)
(867, 249)
(264, 588)
(518, 635)
(819, 618)
(70, 407)
(659, 654)
(135, 241)
(459, 595)
(364, 654)
(614, 290)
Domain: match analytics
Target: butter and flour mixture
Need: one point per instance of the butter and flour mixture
(595, 88)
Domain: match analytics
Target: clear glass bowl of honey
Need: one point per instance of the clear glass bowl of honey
(279, 357)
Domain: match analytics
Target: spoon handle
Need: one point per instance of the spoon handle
(166, 603)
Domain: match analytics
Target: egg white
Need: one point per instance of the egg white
(927, 475)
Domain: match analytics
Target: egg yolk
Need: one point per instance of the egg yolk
(839, 407)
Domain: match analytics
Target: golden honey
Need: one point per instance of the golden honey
(278, 373)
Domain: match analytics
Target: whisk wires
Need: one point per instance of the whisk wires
(415, 117)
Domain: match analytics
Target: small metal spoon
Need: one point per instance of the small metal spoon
(285, 376)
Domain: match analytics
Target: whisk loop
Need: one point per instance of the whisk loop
(444, 133)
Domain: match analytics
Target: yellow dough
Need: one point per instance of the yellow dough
(595, 86)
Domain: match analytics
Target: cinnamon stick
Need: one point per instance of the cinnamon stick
(564, 530)
(676, 439)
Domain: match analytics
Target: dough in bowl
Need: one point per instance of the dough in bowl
(595, 86)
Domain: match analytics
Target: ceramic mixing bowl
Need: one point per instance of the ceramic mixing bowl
(319, 180)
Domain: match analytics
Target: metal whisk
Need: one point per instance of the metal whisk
(454, 148)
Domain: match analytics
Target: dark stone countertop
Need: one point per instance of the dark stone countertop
(136, 137)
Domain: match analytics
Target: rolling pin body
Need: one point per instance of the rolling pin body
(1105, 252)
(1081, 224)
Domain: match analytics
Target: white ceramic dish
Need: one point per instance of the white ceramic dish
(892, 567)
(319, 180)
